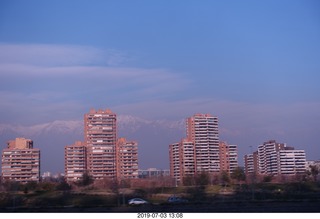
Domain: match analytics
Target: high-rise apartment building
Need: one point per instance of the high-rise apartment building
(292, 162)
(181, 157)
(100, 134)
(228, 157)
(127, 159)
(199, 151)
(268, 157)
(174, 158)
(187, 158)
(202, 129)
(274, 158)
(251, 164)
(75, 161)
(20, 161)
(101, 155)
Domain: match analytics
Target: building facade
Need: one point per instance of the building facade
(199, 151)
(274, 158)
(182, 160)
(102, 154)
(268, 157)
(228, 157)
(153, 173)
(187, 158)
(20, 161)
(174, 158)
(100, 134)
(202, 130)
(292, 162)
(127, 159)
(75, 161)
(251, 163)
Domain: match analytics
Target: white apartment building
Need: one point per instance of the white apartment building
(202, 129)
(292, 161)
(268, 157)
(199, 151)
(276, 159)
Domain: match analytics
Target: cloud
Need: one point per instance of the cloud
(51, 79)
(36, 60)
(22, 108)
(42, 83)
(59, 55)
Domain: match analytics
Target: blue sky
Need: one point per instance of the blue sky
(254, 64)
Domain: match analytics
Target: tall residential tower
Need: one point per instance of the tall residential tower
(202, 129)
(102, 154)
(127, 159)
(199, 151)
(100, 137)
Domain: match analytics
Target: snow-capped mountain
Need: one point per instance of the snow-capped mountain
(34, 130)
(125, 123)
(153, 137)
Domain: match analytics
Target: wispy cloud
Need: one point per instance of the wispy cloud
(61, 85)
(59, 55)
(61, 77)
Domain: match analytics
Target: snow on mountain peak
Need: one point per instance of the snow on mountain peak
(125, 122)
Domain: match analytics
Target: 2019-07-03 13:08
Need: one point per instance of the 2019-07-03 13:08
(160, 215)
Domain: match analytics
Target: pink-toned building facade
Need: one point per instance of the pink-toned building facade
(127, 159)
(75, 161)
(20, 161)
(102, 154)
(174, 158)
(199, 151)
(100, 137)
(228, 157)
(181, 157)
(202, 129)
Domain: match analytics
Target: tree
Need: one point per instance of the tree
(30, 186)
(188, 181)
(238, 174)
(224, 178)
(202, 179)
(314, 170)
(11, 185)
(85, 180)
(63, 186)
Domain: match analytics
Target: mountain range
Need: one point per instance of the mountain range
(153, 137)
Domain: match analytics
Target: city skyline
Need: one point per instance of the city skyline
(255, 65)
(195, 119)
